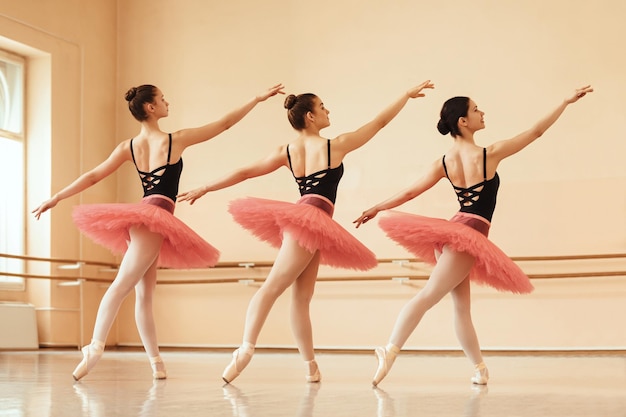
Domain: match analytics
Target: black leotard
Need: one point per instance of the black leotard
(479, 199)
(324, 182)
(163, 180)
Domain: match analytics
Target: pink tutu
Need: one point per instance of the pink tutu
(310, 222)
(109, 224)
(423, 235)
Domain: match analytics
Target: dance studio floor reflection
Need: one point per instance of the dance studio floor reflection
(40, 384)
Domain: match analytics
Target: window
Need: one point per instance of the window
(12, 215)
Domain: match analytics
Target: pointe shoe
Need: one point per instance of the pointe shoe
(91, 354)
(241, 359)
(481, 374)
(313, 372)
(158, 368)
(385, 360)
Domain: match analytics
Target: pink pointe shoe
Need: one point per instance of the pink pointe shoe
(158, 368)
(481, 374)
(386, 357)
(91, 355)
(241, 359)
(313, 371)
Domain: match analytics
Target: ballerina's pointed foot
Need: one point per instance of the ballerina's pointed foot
(158, 368)
(241, 358)
(385, 357)
(313, 371)
(481, 374)
(91, 355)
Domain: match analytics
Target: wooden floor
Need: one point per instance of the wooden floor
(40, 384)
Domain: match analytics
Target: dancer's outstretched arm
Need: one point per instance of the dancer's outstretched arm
(428, 180)
(502, 149)
(269, 164)
(348, 142)
(119, 155)
(192, 136)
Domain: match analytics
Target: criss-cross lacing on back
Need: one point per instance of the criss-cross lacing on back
(468, 196)
(162, 180)
(308, 183)
(323, 182)
(479, 199)
(150, 179)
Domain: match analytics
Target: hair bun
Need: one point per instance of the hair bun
(290, 101)
(443, 127)
(131, 93)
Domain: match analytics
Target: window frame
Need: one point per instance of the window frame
(10, 283)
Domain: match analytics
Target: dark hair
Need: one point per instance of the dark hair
(297, 108)
(452, 110)
(137, 97)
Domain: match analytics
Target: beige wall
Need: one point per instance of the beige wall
(565, 194)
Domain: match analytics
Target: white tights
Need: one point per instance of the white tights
(138, 271)
(450, 275)
(293, 265)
